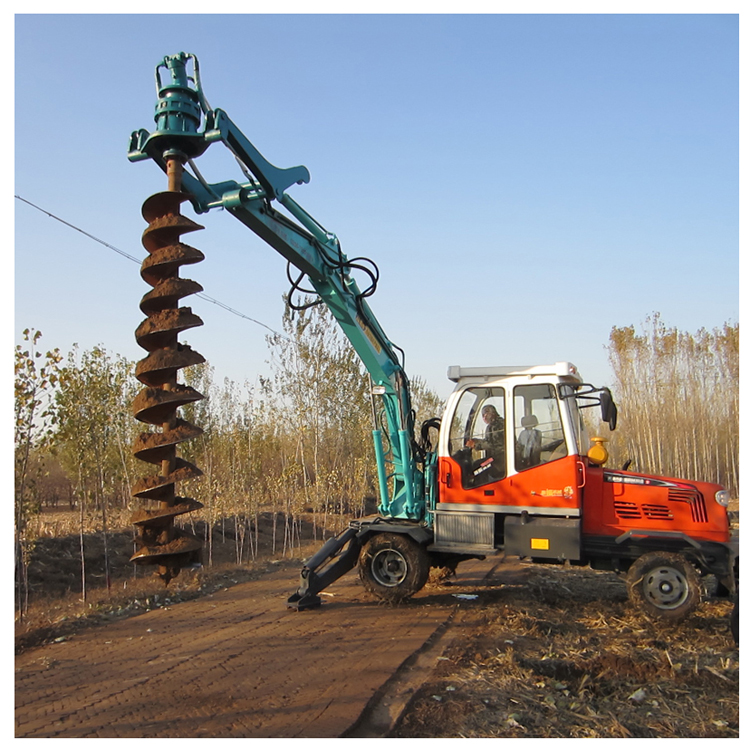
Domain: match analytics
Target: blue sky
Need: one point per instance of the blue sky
(524, 182)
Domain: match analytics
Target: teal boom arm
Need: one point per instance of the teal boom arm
(181, 109)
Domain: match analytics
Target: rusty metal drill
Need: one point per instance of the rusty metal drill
(160, 541)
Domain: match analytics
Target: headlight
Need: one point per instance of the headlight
(722, 497)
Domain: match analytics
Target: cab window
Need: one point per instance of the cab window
(537, 426)
(477, 439)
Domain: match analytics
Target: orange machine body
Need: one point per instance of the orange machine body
(516, 472)
(608, 502)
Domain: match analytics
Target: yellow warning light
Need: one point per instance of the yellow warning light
(598, 454)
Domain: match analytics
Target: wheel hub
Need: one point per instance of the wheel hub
(666, 588)
(389, 568)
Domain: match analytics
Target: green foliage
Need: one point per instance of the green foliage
(96, 427)
(93, 435)
(35, 415)
(299, 441)
(36, 377)
(678, 395)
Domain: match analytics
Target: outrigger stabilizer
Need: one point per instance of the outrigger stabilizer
(341, 553)
(336, 562)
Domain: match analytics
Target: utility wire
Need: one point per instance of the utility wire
(202, 295)
(72, 226)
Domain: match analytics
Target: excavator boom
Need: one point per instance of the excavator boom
(185, 127)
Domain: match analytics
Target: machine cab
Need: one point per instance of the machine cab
(512, 442)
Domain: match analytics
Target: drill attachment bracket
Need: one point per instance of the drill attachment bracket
(181, 108)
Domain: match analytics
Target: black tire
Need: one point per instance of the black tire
(734, 621)
(393, 567)
(664, 585)
(722, 590)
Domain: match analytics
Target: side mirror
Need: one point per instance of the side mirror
(609, 408)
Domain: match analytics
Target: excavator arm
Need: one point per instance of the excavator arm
(185, 127)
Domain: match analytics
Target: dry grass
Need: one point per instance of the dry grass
(57, 607)
(564, 655)
(560, 654)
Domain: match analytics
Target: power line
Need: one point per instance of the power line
(72, 226)
(202, 295)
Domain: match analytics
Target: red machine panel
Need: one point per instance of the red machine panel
(617, 501)
(556, 484)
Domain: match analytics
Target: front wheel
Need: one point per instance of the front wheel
(664, 585)
(393, 567)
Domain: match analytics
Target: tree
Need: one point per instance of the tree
(322, 397)
(94, 401)
(36, 378)
(679, 399)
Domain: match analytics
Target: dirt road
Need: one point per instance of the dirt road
(237, 663)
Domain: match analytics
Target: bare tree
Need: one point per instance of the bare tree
(679, 399)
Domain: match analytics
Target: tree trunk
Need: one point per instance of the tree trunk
(82, 503)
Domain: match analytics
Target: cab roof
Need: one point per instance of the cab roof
(558, 369)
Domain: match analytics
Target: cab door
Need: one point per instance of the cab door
(475, 457)
(547, 472)
(537, 471)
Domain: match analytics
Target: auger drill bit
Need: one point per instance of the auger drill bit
(160, 542)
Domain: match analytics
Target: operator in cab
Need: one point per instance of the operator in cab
(494, 436)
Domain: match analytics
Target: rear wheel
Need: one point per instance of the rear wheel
(393, 567)
(664, 585)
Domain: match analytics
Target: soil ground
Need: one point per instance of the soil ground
(505, 649)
